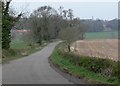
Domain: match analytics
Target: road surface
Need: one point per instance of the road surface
(33, 69)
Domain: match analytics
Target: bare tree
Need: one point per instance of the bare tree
(69, 35)
(83, 28)
(44, 13)
(70, 14)
(60, 9)
(65, 12)
(36, 28)
(47, 22)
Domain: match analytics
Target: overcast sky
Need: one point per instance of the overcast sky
(82, 9)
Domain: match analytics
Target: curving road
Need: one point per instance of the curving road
(33, 69)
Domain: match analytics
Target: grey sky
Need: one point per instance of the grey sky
(84, 10)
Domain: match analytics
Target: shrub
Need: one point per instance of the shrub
(9, 52)
(116, 70)
(31, 45)
(12, 52)
(106, 67)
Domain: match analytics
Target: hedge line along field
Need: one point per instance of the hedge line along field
(92, 70)
(101, 35)
(102, 48)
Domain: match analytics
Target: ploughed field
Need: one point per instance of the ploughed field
(102, 48)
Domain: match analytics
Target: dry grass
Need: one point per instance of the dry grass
(103, 48)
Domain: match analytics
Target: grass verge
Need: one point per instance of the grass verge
(20, 51)
(79, 71)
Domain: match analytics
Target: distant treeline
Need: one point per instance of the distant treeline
(101, 25)
(92, 25)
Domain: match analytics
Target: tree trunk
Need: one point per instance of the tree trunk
(69, 48)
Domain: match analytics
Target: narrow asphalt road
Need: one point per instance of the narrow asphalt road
(33, 69)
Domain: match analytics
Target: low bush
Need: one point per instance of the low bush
(10, 52)
(105, 67)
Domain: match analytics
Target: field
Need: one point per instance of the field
(102, 48)
(101, 35)
(17, 44)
